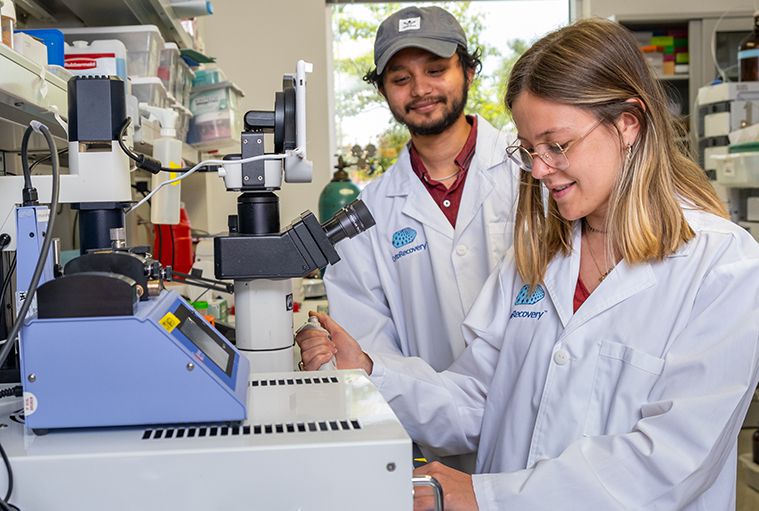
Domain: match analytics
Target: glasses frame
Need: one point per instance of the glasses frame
(545, 156)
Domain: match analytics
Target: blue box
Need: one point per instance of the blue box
(53, 39)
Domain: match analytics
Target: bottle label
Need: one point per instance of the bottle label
(747, 54)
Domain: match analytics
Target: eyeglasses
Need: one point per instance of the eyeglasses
(553, 154)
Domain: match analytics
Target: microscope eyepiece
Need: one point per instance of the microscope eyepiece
(350, 221)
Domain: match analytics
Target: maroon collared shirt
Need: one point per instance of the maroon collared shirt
(448, 199)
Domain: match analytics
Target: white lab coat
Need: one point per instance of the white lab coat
(410, 299)
(633, 402)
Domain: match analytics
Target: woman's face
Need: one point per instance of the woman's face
(594, 152)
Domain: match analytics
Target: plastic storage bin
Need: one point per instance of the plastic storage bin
(143, 42)
(208, 76)
(183, 120)
(183, 83)
(168, 66)
(215, 120)
(740, 167)
(31, 48)
(53, 39)
(103, 57)
(150, 90)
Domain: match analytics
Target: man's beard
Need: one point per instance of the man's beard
(436, 127)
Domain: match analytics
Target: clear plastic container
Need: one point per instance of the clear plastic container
(208, 76)
(183, 83)
(214, 129)
(102, 57)
(215, 98)
(168, 67)
(215, 118)
(151, 91)
(183, 121)
(143, 42)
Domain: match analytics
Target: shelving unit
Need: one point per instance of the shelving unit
(28, 92)
(703, 31)
(72, 13)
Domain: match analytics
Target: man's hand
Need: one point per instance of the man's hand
(318, 347)
(458, 491)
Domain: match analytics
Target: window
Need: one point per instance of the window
(366, 135)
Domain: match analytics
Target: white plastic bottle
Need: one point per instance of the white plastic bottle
(164, 206)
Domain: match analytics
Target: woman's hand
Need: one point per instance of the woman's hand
(458, 492)
(318, 347)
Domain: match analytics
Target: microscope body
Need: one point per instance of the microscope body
(257, 255)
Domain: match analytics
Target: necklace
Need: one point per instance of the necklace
(446, 178)
(603, 274)
(591, 228)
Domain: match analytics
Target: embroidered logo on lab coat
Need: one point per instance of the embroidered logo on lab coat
(525, 298)
(403, 237)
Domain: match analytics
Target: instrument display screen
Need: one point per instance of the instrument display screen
(206, 340)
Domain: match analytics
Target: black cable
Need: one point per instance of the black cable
(25, 158)
(143, 161)
(47, 157)
(173, 247)
(44, 252)
(29, 193)
(7, 462)
(229, 288)
(10, 343)
(16, 391)
(7, 280)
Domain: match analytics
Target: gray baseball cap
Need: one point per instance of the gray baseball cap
(429, 28)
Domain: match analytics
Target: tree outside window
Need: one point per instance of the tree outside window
(367, 135)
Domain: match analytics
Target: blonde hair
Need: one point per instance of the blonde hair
(596, 65)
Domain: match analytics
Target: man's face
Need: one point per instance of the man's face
(425, 92)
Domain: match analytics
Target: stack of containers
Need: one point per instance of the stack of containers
(183, 84)
(143, 43)
(665, 50)
(168, 67)
(176, 77)
(216, 120)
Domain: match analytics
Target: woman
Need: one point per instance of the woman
(614, 355)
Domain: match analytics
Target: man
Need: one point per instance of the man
(444, 211)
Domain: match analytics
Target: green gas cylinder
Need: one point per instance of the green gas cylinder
(338, 193)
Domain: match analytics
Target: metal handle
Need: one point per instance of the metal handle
(436, 488)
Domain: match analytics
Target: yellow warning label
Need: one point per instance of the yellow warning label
(169, 322)
(172, 175)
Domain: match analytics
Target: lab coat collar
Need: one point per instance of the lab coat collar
(624, 281)
(489, 154)
(418, 204)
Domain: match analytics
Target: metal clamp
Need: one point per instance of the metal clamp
(433, 483)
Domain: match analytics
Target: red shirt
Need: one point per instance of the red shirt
(448, 199)
(581, 294)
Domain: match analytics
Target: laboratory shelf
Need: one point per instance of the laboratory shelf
(119, 12)
(28, 91)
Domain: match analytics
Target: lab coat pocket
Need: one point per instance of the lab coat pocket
(623, 380)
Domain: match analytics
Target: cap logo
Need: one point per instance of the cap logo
(409, 24)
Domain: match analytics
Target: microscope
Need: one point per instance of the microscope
(257, 256)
